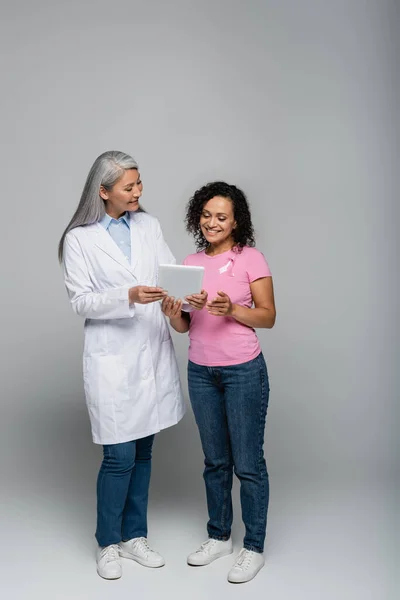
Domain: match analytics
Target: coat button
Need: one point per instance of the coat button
(144, 347)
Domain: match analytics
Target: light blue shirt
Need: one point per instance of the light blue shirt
(120, 232)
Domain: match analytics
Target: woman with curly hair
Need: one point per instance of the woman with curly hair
(227, 374)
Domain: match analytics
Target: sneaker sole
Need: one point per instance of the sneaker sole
(246, 580)
(140, 561)
(109, 578)
(210, 560)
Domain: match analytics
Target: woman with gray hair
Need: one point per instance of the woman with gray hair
(110, 253)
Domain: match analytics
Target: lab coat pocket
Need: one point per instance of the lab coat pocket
(167, 371)
(105, 379)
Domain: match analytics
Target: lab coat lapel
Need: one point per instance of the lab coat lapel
(136, 238)
(105, 242)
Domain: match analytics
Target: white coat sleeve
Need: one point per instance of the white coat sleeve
(165, 257)
(112, 303)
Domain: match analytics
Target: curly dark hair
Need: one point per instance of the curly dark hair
(243, 234)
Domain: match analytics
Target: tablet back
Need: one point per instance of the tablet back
(180, 280)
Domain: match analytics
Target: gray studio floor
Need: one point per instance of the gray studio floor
(326, 542)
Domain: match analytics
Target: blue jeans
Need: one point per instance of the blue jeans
(123, 490)
(230, 406)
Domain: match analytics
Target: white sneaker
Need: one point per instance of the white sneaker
(139, 550)
(108, 562)
(247, 565)
(209, 551)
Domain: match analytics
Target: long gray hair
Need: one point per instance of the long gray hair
(106, 170)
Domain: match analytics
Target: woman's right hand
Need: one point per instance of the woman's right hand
(143, 294)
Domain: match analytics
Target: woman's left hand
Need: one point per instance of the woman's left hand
(198, 301)
(171, 308)
(220, 306)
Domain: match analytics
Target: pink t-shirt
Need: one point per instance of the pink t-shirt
(220, 341)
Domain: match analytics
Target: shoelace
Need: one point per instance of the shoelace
(207, 546)
(110, 552)
(243, 560)
(143, 545)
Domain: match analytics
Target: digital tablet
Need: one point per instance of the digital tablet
(180, 280)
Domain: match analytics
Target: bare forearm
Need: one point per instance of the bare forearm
(180, 324)
(254, 317)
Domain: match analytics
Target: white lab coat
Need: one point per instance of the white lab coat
(130, 372)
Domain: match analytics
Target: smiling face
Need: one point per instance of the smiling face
(217, 222)
(124, 194)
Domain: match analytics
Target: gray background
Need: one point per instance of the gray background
(295, 102)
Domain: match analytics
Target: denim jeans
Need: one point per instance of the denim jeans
(122, 491)
(230, 406)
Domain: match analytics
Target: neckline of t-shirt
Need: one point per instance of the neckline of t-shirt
(231, 250)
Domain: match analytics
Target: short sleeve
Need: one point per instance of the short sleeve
(257, 266)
